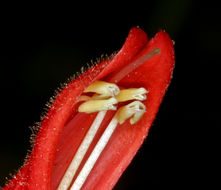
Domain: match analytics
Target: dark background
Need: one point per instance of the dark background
(42, 45)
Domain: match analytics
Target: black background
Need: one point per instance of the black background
(42, 45)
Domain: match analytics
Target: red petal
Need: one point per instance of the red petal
(36, 174)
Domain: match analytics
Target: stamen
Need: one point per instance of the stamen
(101, 105)
(137, 108)
(97, 105)
(79, 155)
(134, 111)
(132, 94)
(104, 89)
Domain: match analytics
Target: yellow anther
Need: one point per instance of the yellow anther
(132, 94)
(104, 89)
(97, 105)
(99, 97)
(134, 111)
(84, 98)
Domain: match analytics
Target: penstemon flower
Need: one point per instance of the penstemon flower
(98, 121)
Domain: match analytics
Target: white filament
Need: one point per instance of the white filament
(70, 172)
(78, 183)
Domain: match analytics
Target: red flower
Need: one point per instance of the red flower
(138, 64)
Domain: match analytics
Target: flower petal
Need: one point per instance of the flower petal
(37, 172)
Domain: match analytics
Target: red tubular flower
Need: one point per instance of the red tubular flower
(140, 63)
